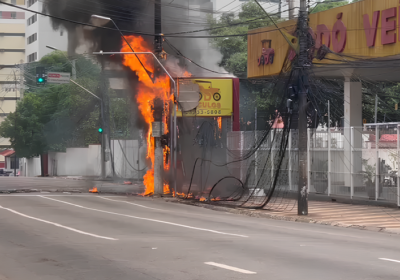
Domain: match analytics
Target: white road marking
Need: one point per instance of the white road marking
(145, 219)
(57, 225)
(231, 268)
(390, 260)
(131, 203)
(24, 195)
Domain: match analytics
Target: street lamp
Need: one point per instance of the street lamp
(100, 21)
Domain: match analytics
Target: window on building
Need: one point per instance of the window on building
(32, 57)
(1, 15)
(32, 38)
(14, 2)
(32, 19)
(13, 15)
(61, 33)
(31, 2)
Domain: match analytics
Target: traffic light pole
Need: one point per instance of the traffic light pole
(103, 141)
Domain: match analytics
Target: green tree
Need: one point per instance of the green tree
(54, 117)
(234, 49)
(321, 6)
(24, 127)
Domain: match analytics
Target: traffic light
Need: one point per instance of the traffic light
(100, 130)
(40, 76)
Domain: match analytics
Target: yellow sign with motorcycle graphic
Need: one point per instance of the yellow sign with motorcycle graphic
(215, 98)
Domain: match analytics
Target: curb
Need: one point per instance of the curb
(266, 215)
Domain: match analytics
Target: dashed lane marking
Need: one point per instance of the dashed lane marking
(230, 268)
(390, 260)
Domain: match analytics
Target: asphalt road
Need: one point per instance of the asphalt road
(46, 236)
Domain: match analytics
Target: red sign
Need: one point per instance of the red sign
(54, 75)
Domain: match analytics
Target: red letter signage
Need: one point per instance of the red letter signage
(323, 36)
(339, 30)
(388, 26)
(370, 31)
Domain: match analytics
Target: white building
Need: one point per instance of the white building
(40, 32)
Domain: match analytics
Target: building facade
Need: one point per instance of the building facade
(12, 54)
(40, 33)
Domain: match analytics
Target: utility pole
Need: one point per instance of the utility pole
(158, 106)
(291, 8)
(302, 66)
(280, 9)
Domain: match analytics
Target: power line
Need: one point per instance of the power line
(139, 32)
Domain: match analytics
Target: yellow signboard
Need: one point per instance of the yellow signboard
(216, 98)
(364, 29)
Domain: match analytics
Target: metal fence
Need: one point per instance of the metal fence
(357, 162)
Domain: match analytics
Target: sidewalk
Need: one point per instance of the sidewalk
(374, 218)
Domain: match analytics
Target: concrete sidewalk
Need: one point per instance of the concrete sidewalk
(375, 218)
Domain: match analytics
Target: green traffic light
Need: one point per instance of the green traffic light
(40, 80)
(100, 130)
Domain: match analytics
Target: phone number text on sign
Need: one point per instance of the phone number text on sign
(203, 112)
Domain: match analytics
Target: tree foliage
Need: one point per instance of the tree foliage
(321, 6)
(234, 49)
(54, 117)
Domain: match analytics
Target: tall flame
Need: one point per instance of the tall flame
(147, 91)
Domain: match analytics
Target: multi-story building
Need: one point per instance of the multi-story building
(12, 54)
(40, 33)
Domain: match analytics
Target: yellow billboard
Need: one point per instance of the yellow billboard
(215, 98)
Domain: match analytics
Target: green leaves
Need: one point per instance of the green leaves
(54, 117)
(326, 6)
(234, 49)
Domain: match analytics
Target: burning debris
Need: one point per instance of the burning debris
(94, 190)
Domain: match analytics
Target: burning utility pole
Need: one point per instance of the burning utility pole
(157, 132)
(302, 66)
(158, 106)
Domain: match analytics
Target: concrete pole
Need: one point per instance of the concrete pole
(329, 150)
(292, 6)
(302, 203)
(73, 69)
(102, 154)
(158, 167)
(376, 149)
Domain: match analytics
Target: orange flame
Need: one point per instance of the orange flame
(202, 198)
(219, 120)
(166, 189)
(187, 74)
(147, 91)
(94, 190)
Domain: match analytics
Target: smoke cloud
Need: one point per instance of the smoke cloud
(177, 16)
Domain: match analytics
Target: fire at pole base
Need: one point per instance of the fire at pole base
(158, 166)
